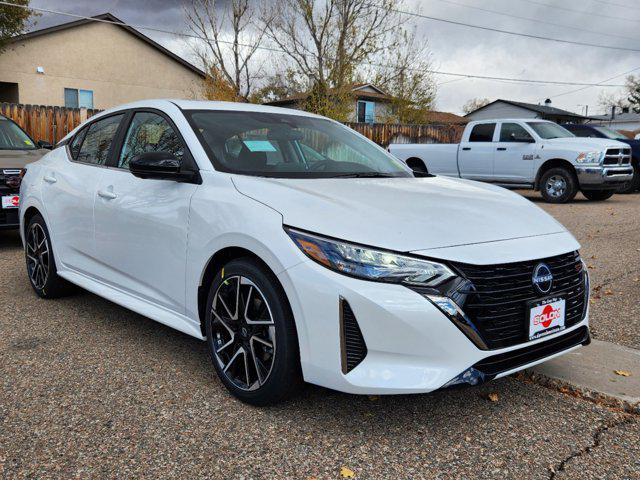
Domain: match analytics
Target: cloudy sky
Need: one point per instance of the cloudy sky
(468, 50)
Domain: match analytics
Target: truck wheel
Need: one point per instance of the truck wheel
(558, 185)
(598, 195)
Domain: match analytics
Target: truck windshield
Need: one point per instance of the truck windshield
(611, 134)
(289, 146)
(548, 130)
(12, 137)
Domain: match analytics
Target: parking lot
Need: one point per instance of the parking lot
(89, 389)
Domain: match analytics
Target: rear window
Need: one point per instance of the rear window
(482, 132)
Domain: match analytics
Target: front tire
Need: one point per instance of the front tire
(251, 334)
(558, 185)
(598, 195)
(41, 263)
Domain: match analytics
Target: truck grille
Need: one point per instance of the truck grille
(10, 179)
(497, 303)
(617, 156)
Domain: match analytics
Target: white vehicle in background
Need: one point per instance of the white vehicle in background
(527, 154)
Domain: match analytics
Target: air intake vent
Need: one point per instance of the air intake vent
(352, 346)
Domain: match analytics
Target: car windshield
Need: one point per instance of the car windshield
(548, 130)
(611, 134)
(289, 146)
(13, 138)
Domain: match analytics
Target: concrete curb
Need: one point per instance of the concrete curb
(590, 372)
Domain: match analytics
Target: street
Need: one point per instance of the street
(89, 389)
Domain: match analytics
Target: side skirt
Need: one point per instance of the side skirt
(169, 318)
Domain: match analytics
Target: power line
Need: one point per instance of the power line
(544, 22)
(272, 49)
(613, 4)
(403, 12)
(599, 15)
(597, 85)
(510, 32)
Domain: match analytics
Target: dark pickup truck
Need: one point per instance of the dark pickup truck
(17, 150)
(596, 131)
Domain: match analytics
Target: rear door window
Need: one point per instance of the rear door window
(482, 132)
(98, 140)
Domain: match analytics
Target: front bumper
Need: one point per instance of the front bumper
(412, 347)
(604, 177)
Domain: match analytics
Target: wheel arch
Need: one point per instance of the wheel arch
(215, 264)
(29, 213)
(553, 163)
(416, 163)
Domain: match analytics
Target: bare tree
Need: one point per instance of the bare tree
(326, 41)
(230, 40)
(474, 104)
(405, 74)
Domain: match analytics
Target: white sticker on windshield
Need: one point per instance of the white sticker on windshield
(259, 145)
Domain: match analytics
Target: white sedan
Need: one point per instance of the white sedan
(299, 250)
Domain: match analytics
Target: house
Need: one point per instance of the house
(92, 64)
(370, 103)
(625, 121)
(510, 109)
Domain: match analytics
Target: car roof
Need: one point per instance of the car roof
(208, 105)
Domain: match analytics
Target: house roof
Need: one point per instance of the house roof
(379, 94)
(619, 118)
(542, 109)
(444, 117)
(109, 18)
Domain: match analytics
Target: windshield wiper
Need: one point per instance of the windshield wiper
(363, 175)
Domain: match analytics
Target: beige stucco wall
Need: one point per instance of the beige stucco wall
(107, 59)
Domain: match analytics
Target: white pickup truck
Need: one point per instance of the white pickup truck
(527, 154)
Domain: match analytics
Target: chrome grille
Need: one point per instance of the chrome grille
(617, 156)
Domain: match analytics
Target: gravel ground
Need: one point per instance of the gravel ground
(91, 390)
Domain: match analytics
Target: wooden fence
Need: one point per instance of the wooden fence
(53, 123)
(41, 122)
(385, 134)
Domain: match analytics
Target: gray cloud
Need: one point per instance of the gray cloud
(465, 50)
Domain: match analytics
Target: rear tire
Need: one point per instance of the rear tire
(259, 363)
(41, 263)
(558, 185)
(598, 195)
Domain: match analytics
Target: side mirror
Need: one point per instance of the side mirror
(160, 166)
(43, 144)
(522, 138)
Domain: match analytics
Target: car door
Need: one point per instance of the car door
(475, 156)
(142, 224)
(515, 154)
(68, 190)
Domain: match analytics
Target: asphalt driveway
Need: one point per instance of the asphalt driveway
(91, 390)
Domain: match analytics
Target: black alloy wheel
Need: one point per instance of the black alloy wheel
(251, 334)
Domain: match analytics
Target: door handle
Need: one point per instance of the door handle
(107, 195)
(502, 149)
(466, 148)
(49, 179)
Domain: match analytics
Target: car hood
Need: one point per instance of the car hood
(402, 214)
(20, 158)
(586, 143)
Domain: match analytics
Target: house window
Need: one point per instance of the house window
(75, 98)
(366, 111)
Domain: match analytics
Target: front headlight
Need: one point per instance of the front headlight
(590, 157)
(368, 263)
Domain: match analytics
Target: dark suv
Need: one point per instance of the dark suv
(17, 149)
(597, 131)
